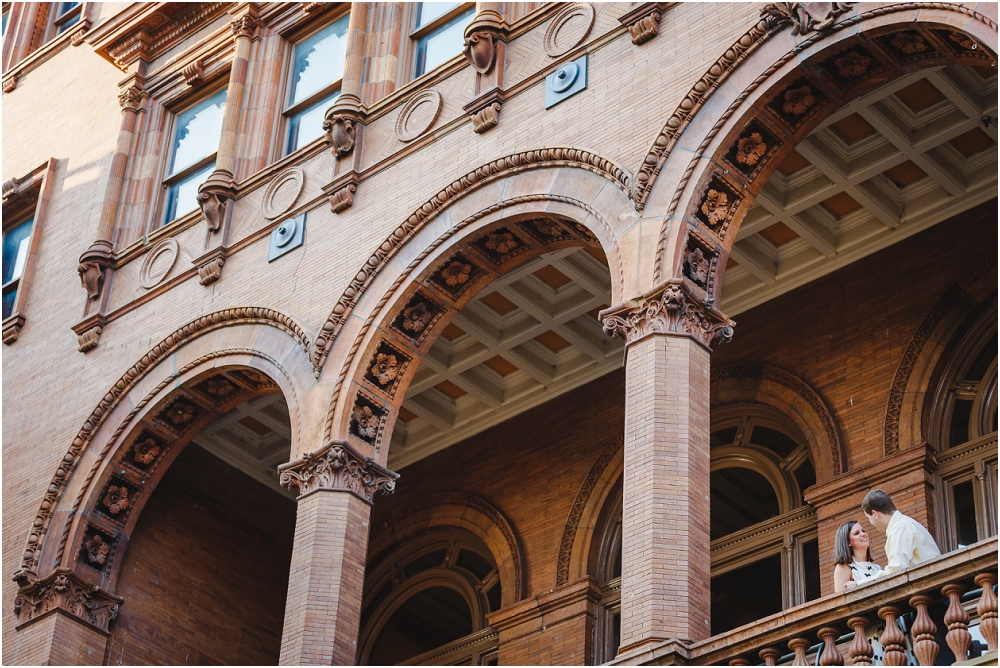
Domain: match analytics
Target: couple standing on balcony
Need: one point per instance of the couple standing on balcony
(907, 543)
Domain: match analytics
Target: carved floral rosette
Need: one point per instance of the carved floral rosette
(64, 592)
(668, 309)
(338, 467)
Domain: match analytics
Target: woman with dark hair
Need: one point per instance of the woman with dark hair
(853, 555)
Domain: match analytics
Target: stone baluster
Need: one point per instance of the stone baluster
(799, 646)
(957, 619)
(739, 661)
(925, 647)
(987, 609)
(830, 655)
(860, 651)
(892, 638)
(770, 655)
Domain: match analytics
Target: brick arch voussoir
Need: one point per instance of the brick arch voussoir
(121, 394)
(464, 511)
(582, 522)
(710, 198)
(763, 384)
(363, 406)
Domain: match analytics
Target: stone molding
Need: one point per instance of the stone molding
(671, 309)
(576, 511)
(512, 164)
(338, 467)
(63, 592)
(531, 615)
(857, 482)
(118, 391)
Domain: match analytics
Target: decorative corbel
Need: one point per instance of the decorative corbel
(91, 270)
(341, 191)
(12, 328)
(10, 83)
(485, 110)
(88, 332)
(193, 73)
(340, 132)
(79, 32)
(481, 50)
(214, 196)
(643, 21)
(210, 266)
(485, 43)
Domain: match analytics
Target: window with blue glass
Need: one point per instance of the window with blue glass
(317, 71)
(15, 253)
(66, 15)
(192, 154)
(438, 33)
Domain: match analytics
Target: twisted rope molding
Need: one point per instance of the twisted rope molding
(410, 268)
(579, 505)
(462, 500)
(767, 27)
(163, 384)
(492, 171)
(128, 380)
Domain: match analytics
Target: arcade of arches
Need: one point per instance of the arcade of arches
(512, 451)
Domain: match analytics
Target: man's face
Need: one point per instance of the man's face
(877, 520)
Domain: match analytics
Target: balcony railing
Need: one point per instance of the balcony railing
(838, 626)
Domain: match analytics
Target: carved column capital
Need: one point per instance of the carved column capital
(669, 309)
(130, 98)
(245, 26)
(338, 467)
(62, 591)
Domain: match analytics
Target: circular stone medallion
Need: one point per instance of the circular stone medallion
(158, 263)
(568, 28)
(282, 193)
(418, 115)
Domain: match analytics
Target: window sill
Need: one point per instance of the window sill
(73, 36)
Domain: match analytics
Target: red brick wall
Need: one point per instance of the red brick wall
(206, 571)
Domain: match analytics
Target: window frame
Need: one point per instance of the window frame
(289, 111)
(166, 180)
(28, 198)
(414, 34)
(60, 23)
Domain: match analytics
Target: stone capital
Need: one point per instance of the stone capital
(130, 98)
(670, 309)
(244, 26)
(62, 591)
(338, 467)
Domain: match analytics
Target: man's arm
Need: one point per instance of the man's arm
(899, 548)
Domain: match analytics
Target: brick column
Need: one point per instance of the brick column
(326, 578)
(666, 568)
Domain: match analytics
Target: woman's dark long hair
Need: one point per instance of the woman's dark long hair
(842, 552)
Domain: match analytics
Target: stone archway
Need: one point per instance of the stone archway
(75, 548)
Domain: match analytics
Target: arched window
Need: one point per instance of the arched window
(765, 555)
(426, 603)
(606, 565)
(963, 428)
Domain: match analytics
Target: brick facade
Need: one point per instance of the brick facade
(82, 371)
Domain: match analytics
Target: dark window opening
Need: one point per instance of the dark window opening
(773, 440)
(420, 564)
(723, 437)
(965, 513)
(805, 475)
(474, 563)
(740, 498)
(493, 596)
(960, 422)
(983, 361)
(616, 633)
(430, 619)
(377, 599)
(616, 570)
(746, 594)
(810, 557)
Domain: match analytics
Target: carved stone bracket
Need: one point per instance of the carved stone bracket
(669, 309)
(193, 73)
(341, 131)
(643, 21)
(12, 328)
(89, 332)
(338, 467)
(210, 265)
(481, 50)
(805, 17)
(341, 191)
(80, 32)
(10, 83)
(213, 197)
(485, 110)
(91, 271)
(62, 591)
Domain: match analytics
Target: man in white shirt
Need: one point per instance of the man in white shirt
(907, 542)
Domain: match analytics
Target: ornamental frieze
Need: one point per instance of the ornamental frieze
(668, 309)
(338, 467)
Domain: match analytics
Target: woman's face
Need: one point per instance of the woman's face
(858, 539)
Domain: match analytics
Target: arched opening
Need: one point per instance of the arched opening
(426, 600)
(215, 526)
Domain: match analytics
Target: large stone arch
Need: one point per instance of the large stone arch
(251, 351)
(579, 202)
(793, 397)
(464, 511)
(692, 180)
